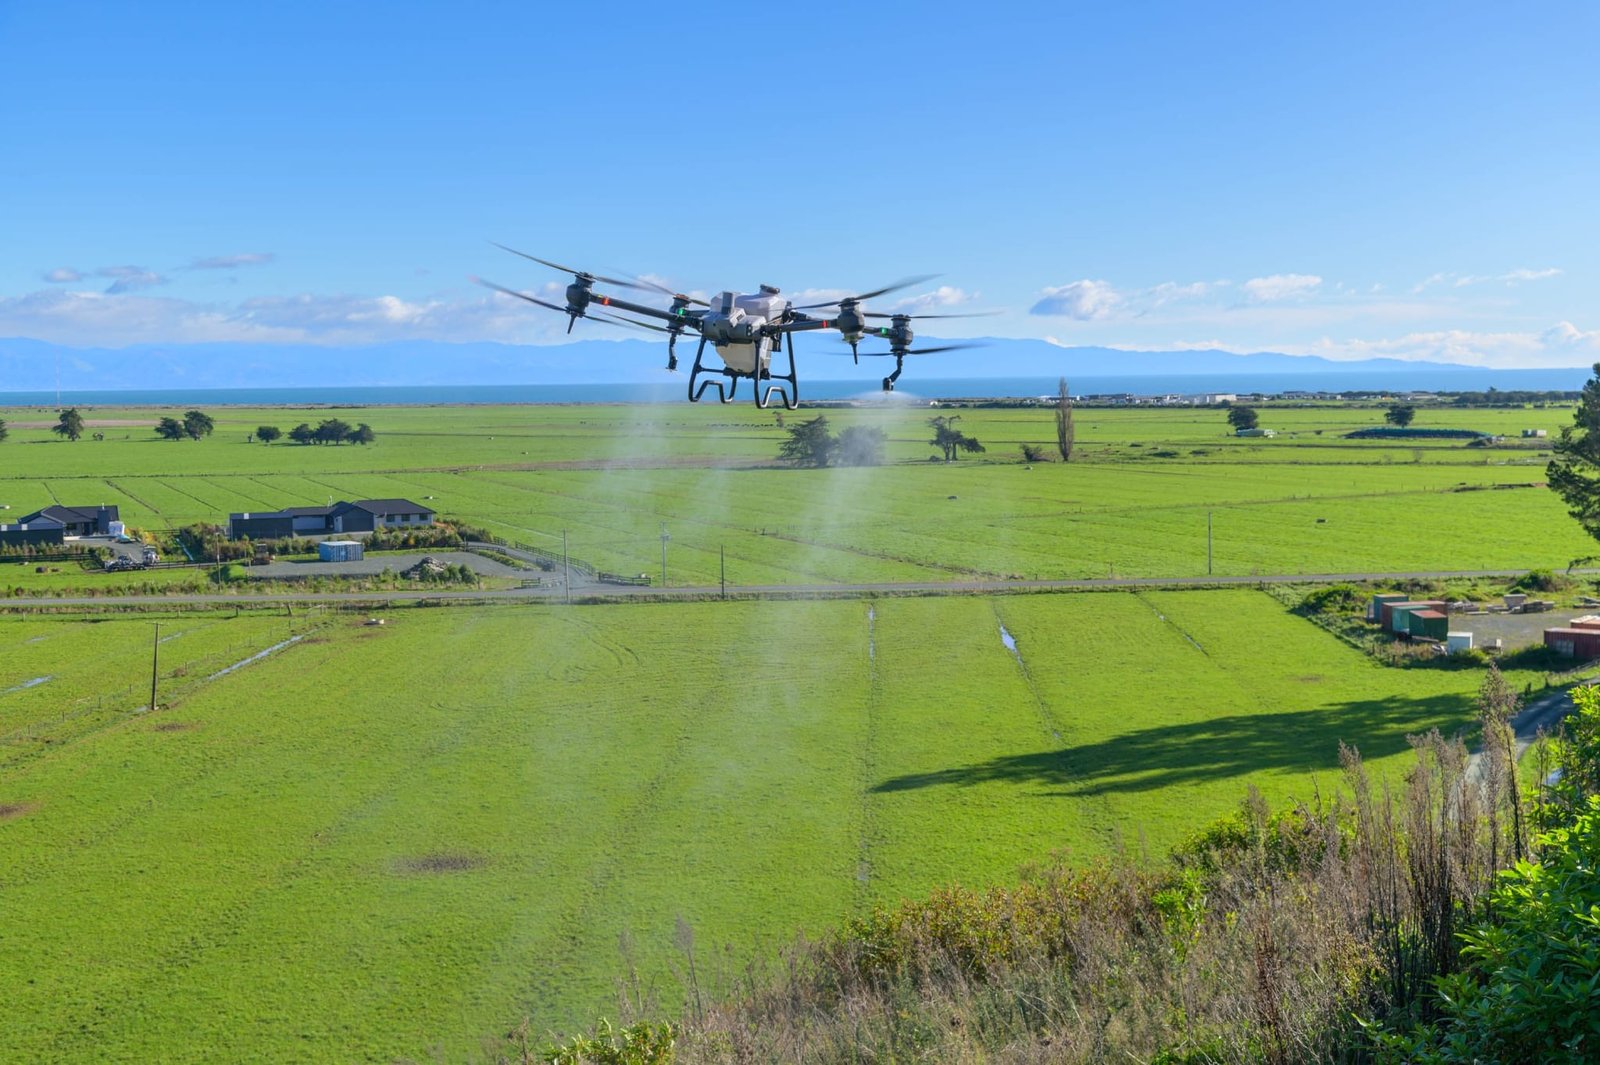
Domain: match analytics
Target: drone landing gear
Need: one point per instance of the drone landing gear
(791, 395)
(724, 392)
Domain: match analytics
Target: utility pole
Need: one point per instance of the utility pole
(722, 553)
(1208, 543)
(664, 539)
(566, 568)
(155, 658)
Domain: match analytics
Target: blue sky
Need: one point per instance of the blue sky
(1346, 180)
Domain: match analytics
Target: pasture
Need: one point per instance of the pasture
(394, 843)
(1134, 502)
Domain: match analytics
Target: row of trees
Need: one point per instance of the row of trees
(194, 425)
(1398, 414)
(328, 431)
(813, 443)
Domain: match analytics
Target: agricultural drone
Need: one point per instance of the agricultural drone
(744, 330)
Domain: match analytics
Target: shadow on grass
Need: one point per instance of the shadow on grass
(1214, 749)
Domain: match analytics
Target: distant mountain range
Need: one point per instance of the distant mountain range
(32, 365)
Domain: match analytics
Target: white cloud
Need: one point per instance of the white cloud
(1280, 286)
(62, 275)
(233, 262)
(1082, 300)
(1511, 278)
(1563, 344)
(114, 320)
(942, 298)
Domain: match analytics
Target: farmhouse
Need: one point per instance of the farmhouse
(77, 521)
(361, 516)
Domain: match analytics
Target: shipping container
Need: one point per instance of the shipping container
(339, 551)
(1574, 643)
(1588, 621)
(1456, 642)
(1394, 614)
(1375, 611)
(1429, 624)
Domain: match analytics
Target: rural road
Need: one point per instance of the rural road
(588, 589)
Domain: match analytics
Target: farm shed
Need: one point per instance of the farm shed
(339, 551)
(1574, 643)
(1429, 624)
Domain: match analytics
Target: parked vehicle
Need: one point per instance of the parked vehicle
(122, 563)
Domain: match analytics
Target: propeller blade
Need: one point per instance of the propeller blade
(942, 347)
(567, 269)
(874, 294)
(622, 319)
(645, 282)
(520, 295)
(968, 314)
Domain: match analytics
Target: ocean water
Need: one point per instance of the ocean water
(912, 389)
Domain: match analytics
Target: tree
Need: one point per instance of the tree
(170, 429)
(303, 434)
(268, 433)
(1242, 418)
(362, 434)
(810, 443)
(332, 430)
(1400, 415)
(4, 432)
(197, 424)
(1033, 453)
(950, 440)
(860, 445)
(70, 424)
(1574, 472)
(1064, 430)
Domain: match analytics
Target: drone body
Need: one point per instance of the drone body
(744, 330)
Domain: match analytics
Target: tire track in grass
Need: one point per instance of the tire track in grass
(869, 768)
(1047, 717)
(1179, 629)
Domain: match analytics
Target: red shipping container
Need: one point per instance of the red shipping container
(1575, 643)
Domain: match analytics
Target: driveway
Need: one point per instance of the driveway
(375, 564)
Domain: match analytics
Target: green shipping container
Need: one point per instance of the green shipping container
(1430, 624)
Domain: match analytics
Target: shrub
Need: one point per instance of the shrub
(1335, 599)
(1542, 580)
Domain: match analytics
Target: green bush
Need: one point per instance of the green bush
(639, 1044)
(1542, 580)
(1530, 988)
(1335, 599)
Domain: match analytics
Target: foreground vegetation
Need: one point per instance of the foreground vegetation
(1368, 925)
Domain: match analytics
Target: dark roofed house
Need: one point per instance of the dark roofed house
(368, 515)
(76, 521)
(362, 516)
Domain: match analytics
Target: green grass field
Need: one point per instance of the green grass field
(387, 843)
(611, 476)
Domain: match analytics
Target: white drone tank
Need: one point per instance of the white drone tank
(744, 315)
